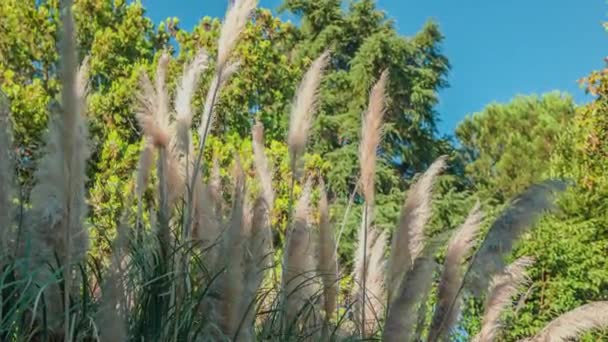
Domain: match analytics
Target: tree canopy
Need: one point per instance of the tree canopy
(497, 153)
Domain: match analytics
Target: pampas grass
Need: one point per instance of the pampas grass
(6, 181)
(375, 293)
(147, 113)
(153, 118)
(231, 284)
(111, 317)
(572, 324)
(519, 216)
(328, 263)
(502, 290)
(459, 247)
(262, 167)
(212, 282)
(402, 317)
(235, 21)
(304, 107)
(258, 260)
(408, 238)
(299, 270)
(371, 133)
(56, 222)
(187, 86)
(368, 288)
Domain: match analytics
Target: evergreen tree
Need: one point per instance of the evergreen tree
(363, 42)
(507, 147)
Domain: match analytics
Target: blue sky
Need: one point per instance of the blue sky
(497, 48)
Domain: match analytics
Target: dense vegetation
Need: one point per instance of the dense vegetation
(257, 179)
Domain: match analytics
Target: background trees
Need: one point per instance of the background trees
(570, 246)
(507, 147)
(500, 151)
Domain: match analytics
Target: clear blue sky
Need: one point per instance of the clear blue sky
(497, 48)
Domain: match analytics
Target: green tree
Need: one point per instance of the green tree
(121, 42)
(507, 147)
(363, 42)
(27, 72)
(265, 82)
(570, 246)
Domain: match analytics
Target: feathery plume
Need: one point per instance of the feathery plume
(521, 214)
(187, 86)
(258, 260)
(299, 266)
(215, 182)
(572, 324)
(230, 286)
(207, 227)
(234, 23)
(361, 267)
(111, 315)
(162, 94)
(6, 180)
(183, 104)
(408, 239)
(502, 289)
(328, 263)
(217, 84)
(58, 199)
(460, 245)
(111, 323)
(262, 166)
(260, 245)
(82, 85)
(402, 315)
(175, 175)
(152, 111)
(375, 292)
(146, 113)
(76, 124)
(371, 133)
(146, 159)
(80, 152)
(304, 107)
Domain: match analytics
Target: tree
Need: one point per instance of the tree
(363, 42)
(264, 84)
(27, 72)
(570, 246)
(507, 147)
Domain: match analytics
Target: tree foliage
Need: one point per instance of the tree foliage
(363, 42)
(507, 147)
(503, 149)
(570, 246)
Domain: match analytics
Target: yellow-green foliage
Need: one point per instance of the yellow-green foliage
(227, 149)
